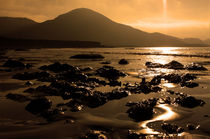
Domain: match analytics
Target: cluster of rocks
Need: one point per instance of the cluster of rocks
(144, 87)
(182, 79)
(176, 65)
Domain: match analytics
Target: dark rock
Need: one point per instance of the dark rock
(171, 65)
(115, 83)
(172, 128)
(142, 110)
(156, 80)
(117, 94)
(58, 67)
(188, 77)
(174, 65)
(87, 56)
(39, 105)
(123, 62)
(195, 66)
(153, 65)
(17, 97)
(192, 127)
(189, 84)
(95, 99)
(14, 64)
(110, 73)
(106, 62)
(189, 101)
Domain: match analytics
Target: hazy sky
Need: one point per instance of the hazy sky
(183, 18)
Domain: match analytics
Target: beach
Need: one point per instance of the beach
(110, 117)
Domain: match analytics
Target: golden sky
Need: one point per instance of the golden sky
(182, 18)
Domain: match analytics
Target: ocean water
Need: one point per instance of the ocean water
(113, 114)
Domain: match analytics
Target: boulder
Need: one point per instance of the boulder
(142, 110)
(39, 105)
(123, 62)
(110, 73)
(174, 65)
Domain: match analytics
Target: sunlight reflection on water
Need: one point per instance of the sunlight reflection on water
(167, 115)
(165, 50)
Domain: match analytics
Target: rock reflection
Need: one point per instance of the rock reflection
(167, 115)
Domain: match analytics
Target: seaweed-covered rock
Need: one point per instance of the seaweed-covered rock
(123, 62)
(189, 101)
(87, 56)
(14, 64)
(195, 66)
(172, 128)
(110, 73)
(142, 110)
(17, 97)
(38, 105)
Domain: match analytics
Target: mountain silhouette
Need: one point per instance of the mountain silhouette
(10, 24)
(87, 25)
